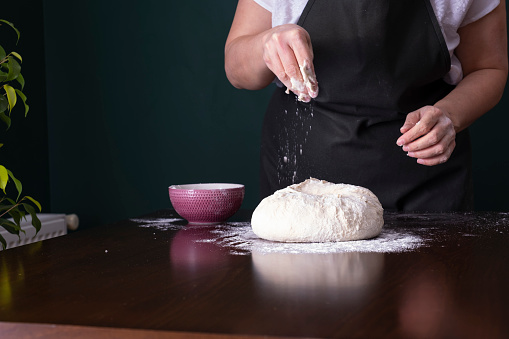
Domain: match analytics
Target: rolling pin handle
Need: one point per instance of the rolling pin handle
(72, 221)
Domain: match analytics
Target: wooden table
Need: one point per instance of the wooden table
(124, 280)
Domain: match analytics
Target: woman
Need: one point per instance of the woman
(399, 82)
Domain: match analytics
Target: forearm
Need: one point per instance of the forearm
(244, 64)
(483, 55)
(475, 95)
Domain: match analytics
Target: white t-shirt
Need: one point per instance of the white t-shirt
(451, 15)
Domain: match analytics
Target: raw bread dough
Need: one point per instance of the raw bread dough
(318, 211)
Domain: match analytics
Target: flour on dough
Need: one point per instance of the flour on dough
(318, 211)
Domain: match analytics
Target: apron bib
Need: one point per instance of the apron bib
(375, 62)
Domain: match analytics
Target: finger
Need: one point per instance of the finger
(291, 67)
(430, 152)
(428, 120)
(304, 55)
(291, 50)
(437, 160)
(434, 137)
(410, 121)
(276, 66)
(273, 62)
(308, 73)
(299, 43)
(293, 75)
(442, 132)
(440, 155)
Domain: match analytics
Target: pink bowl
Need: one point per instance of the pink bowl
(206, 203)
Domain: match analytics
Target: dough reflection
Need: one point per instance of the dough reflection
(347, 275)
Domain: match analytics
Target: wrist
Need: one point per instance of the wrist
(451, 116)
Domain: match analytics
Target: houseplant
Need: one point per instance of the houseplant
(11, 89)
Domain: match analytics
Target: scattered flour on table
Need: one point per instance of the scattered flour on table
(162, 224)
(240, 239)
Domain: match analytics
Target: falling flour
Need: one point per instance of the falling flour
(292, 138)
(239, 239)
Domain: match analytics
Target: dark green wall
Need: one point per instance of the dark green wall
(25, 151)
(490, 140)
(137, 100)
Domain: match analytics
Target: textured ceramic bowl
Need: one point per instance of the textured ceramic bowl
(206, 203)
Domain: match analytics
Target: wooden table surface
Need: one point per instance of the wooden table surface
(125, 280)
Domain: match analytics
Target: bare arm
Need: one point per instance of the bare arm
(483, 56)
(255, 52)
(429, 133)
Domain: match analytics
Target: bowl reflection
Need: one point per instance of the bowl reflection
(192, 250)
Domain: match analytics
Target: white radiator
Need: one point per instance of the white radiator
(52, 225)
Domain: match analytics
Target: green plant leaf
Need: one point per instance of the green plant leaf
(16, 215)
(14, 28)
(4, 243)
(5, 119)
(4, 207)
(2, 53)
(17, 183)
(3, 75)
(36, 203)
(24, 99)
(4, 177)
(10, 227)
(6, 68)
(17, 56)
(10, 201)
(35, 220)
(21, 81)
(14, 69)
(4, 104)
(11, 96)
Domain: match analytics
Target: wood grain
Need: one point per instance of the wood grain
(122, 277)
(43, 331)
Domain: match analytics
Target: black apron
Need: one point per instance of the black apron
(375, 61)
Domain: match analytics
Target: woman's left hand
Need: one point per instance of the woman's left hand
(428, 135)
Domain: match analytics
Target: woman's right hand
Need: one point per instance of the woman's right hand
(256, 52)
(288, 53)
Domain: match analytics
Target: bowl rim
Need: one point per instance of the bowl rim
(205, 186)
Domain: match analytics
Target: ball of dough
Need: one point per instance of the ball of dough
(318, 211)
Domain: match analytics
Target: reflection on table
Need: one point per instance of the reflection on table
(328, 277)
